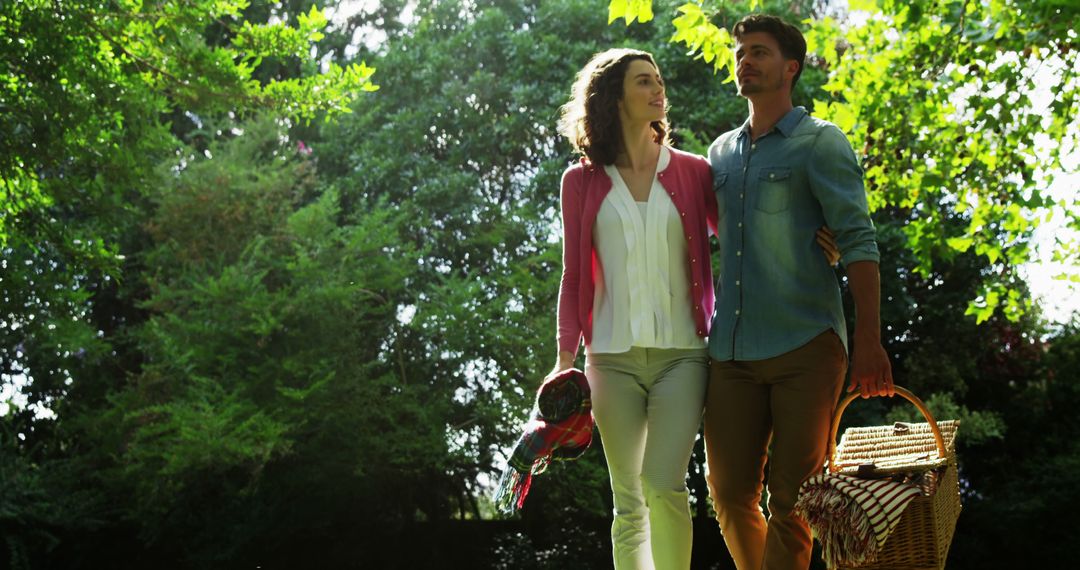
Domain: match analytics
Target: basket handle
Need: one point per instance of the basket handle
(900, 391)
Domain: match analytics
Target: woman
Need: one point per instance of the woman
(637, 285)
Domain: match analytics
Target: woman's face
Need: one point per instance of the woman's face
(643, 97)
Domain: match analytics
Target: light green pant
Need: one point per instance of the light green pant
(647, 404)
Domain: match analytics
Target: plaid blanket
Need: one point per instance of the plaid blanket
(852, 517)
(560, 428)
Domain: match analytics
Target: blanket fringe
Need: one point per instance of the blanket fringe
(512, 489)
(845, 533)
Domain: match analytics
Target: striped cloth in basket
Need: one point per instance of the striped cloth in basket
(852, 517)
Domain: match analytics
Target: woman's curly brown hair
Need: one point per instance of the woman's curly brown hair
(590, 120)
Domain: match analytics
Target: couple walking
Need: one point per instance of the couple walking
(764, 355)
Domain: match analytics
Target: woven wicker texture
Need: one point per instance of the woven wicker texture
(922, 537)
(900, 448)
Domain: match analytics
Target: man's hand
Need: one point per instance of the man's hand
(871, 371)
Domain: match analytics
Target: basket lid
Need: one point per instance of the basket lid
(901, 447)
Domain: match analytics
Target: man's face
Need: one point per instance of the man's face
(759, 65)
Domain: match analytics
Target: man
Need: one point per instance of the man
(779, 341)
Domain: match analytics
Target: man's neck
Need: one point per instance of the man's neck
(766, 110)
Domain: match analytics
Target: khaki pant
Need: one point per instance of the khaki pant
(647, 404)
(788, 399)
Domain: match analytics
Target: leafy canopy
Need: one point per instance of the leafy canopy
(942, 101)
(78, 77)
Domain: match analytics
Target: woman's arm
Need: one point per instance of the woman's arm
(569, 327)
(827, 241)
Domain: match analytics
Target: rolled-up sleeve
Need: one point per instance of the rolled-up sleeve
(836, 180)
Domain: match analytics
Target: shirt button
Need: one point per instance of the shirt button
(741, 194)
(693, 261)
(738, 282)
(684, 214)
(772, 175)
(689, 237)
(753, 146)
(699, 332)
(740, 224)
(736, 311)
(695, 284)
(738, 253)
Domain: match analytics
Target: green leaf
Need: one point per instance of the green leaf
(616, 9)
(630, 10)
(863, 5)
(960, 244)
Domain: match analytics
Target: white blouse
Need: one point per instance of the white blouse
(642, 293)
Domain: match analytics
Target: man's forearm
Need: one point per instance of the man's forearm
(864, 281)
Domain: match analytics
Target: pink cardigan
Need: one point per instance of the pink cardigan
(688, 180)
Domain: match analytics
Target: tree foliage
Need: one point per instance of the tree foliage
(262, 349)
(323, 337)
(962, 113)
(944, 102)
(90, 95)
(89, 92)
(83, 78)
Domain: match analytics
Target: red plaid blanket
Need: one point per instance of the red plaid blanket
(561, 428)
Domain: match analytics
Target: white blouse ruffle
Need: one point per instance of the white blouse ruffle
(642, 290)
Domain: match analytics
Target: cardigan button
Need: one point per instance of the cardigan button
(699, 332)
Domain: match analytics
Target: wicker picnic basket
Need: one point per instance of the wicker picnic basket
(922, 453)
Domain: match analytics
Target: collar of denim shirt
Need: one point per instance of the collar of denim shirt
(785, 125)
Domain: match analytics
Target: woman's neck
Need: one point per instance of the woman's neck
(638, 150)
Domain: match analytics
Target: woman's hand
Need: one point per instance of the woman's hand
(827, 241)
(565, 362)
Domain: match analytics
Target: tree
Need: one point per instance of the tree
(89, 93)
(85, 79)
(969, 139)
(957, 182)
(465, 148)
(87, 88)
(264, 373)
(323, 336)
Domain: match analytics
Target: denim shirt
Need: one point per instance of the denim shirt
(775, 290)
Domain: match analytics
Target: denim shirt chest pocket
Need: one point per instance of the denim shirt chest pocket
(773, 190)
(719, 188)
